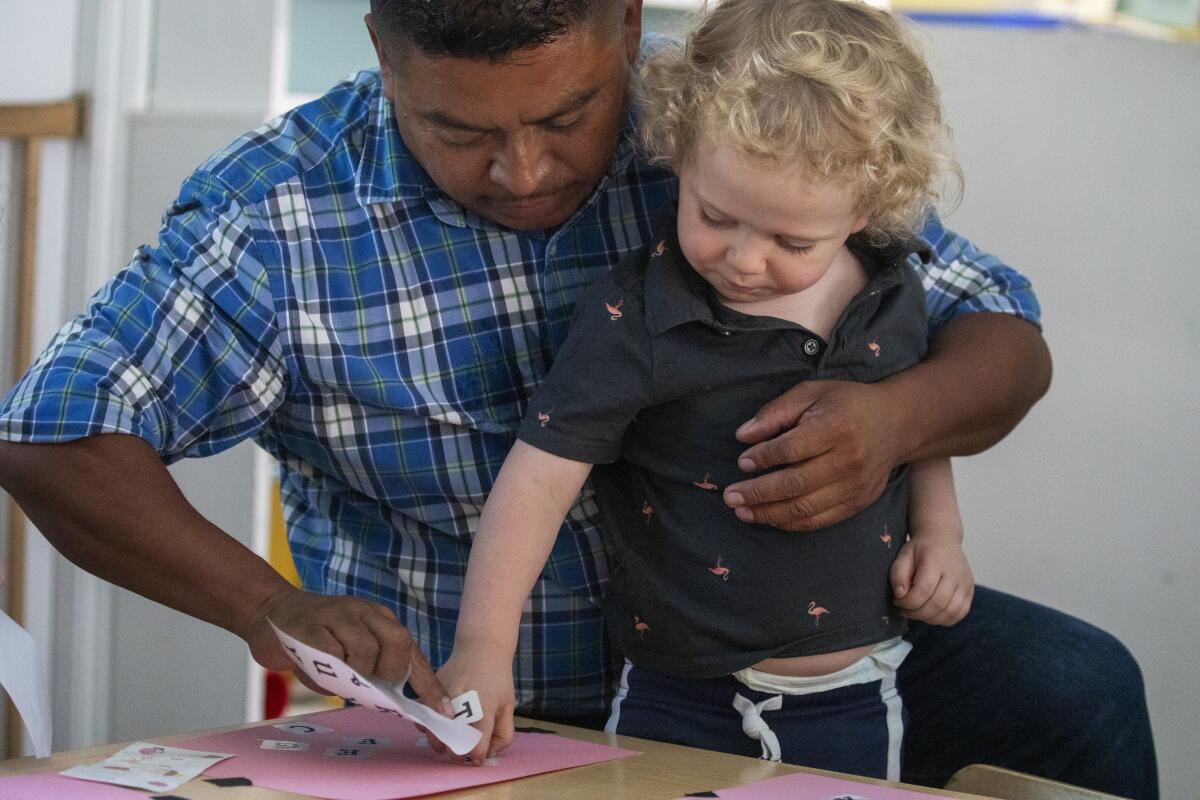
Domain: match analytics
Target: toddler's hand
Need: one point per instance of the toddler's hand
(492, 679)
(932, 580)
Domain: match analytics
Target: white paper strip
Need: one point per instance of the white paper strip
(144, 765)
(24, 678)
(332, 675)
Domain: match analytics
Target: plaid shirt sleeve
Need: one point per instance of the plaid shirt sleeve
(180, 348)
(962, 279)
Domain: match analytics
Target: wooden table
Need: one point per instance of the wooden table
(661, 772)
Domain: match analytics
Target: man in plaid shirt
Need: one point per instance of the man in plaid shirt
(372, 285)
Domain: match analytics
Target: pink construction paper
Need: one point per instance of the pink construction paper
(45, 785)
(803, 786)
(405, 768)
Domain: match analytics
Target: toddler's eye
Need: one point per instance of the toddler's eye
(795, 249)
(713, 223)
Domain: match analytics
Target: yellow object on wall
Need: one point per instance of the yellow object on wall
(278, 554)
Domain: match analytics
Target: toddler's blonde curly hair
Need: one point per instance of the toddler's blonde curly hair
(835, 86)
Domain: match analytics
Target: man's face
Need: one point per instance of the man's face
(524, 141)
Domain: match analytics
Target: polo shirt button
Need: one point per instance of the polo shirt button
(811, 347)
(725, 332)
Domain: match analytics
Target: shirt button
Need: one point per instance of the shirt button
(811, 347)
(726, 332)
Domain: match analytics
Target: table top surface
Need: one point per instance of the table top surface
(662, 772)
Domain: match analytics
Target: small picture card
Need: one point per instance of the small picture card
(366, 741)
(348, 752)
(283, 744)
(303, 728)
(144, 765)
(467, 708)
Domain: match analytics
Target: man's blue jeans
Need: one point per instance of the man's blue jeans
(1022, 686)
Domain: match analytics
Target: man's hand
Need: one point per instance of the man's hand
(365, 635)
(490, 675)
(932, 580)
(839, 440)
(838, 445)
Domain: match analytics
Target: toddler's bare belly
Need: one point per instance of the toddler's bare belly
(808, 666)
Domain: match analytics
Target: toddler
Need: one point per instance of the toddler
(808, 139)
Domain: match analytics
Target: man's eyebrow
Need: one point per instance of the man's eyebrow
(573, 103)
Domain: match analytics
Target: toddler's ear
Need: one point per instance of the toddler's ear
(861, 223)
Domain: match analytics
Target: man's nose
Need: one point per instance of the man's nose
(522, 165)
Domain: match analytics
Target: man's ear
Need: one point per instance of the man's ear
(385, 66)
(632, 25)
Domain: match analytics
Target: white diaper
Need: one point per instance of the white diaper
(882, 662)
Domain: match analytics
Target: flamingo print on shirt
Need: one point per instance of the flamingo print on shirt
(705, 484)
(544, 417)
(640, 627)
(614, 311)
(661, 248)
(873, 346)
(886, 537)
(816, 611)
(647, 511)
(719, 570)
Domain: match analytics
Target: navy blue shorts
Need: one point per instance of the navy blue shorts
(856, 729)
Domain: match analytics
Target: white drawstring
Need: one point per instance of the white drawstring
(756, 727)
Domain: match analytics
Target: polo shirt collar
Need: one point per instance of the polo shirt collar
(676, 294)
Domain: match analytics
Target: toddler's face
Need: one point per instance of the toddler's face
(757, 229)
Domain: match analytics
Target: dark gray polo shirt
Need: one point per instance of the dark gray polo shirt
(652, 382)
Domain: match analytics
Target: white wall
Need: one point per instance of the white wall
(31, 32)
(1082, 160)
(172, 673)
(122, 667)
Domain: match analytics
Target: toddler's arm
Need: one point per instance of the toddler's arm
(931, 578)
(523, 514)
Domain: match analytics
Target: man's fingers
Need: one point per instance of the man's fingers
(395, 647)
(809, 438)
(782, 412)
(307, 681)
(427, 686)
(818, 509)
(358, 644)
(783, 484)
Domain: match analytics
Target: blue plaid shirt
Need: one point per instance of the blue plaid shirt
(313, 289)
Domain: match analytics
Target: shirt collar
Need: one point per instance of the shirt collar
(390, 173)
(676, 294)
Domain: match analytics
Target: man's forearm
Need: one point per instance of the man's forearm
(982, 374)
(109, 505)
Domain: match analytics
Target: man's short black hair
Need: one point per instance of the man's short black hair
(481, 29)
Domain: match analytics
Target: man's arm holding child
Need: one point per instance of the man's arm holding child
(931, 578)
(838, 440)
(520, 521)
